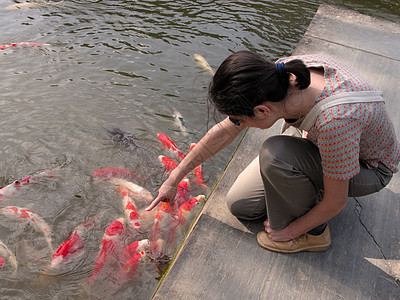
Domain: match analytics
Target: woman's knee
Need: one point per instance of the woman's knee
(271, 150)
(283, 153)
(246, 208)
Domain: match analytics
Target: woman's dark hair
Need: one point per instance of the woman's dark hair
(246, 79)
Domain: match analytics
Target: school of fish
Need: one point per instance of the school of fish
(115, 253)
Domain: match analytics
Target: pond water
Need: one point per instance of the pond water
(127, 63)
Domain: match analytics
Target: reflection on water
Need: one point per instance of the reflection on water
(128, 63)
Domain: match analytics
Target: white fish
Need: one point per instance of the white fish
(31, 4)
(203, 64)
(8, 256)
(180, 122)
(137, 192)
(23, 214)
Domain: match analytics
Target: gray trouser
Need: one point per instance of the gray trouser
(283, 183)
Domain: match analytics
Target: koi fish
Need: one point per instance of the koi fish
(183, 192)
(31, 4)
(198, 171)
(185, 209)
(22, 45)
(161, 230)
(6, 254)
(180, 122)
(203, 64)
(132, 249)
(1, 262)
(129, 268)
(169, 144)
(12, 188)
(167, 222)
(115, 172)
(168, 163)
(22, 214)
(112, 239)
(137, 192)
(176, 228)
(72, 247)
(130, 210)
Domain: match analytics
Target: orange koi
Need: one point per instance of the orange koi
(115, 172)
(168, 163)
(129, 268)
(130, 210)
(23, 214)
(161, 230)
(132, 249)
(167, 221)
(72, 247)
(198, 171)
(183, 192)
(169, 144)
(112, 239)
(185, 209)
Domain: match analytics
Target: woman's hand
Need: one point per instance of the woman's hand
(166, 193)
(281, 235)
(216, 139)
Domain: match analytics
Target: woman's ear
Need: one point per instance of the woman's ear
(292, 79)
(262, 110)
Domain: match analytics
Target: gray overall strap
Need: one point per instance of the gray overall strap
(342, 98)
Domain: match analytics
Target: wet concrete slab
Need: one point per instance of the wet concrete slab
(220, 259)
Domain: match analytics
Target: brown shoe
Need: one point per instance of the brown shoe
(305, 242)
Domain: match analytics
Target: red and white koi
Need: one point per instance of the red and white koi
(130, 210)
(132, 249)
(128, 269)
(183, 192)
(167, 221)
(177, 227)
(115, 172)
(12, 188)
(198, 171)
(169, 144)
(15, 46)
(161, 230)
(73, 247)
(23, 214)
(185, 209)
(8, 256)
(168, 163)
(1, 262)
(110, 243)
(137, 192)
